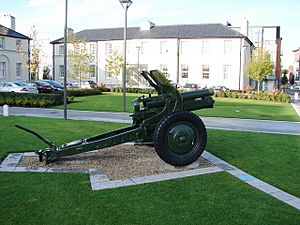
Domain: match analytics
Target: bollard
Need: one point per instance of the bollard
(5, 110)
(296, 95)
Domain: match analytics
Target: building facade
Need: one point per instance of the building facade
(205, 54)
(268, 38)
(13, 53)
(296, 66)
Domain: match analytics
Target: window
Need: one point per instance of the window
(2, 43)
(144, 46)
(184, 71)
(227, 47)
(270, 42)
(205, 71)
(163, 47)
(107, 72)
(164, 69)
(2, 69)
(92, 49)
(18, 44)
(184, 47)
(92, 71)
(18, 69)
(61, 50)
(205, 47)
(108, 48)
(61, 71)
(226, 71)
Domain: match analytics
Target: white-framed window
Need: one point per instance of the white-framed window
(184, 71)
(61, 71)
(92, 49)
(2, 69)
(163, 47)
(184, 47)
(92, 71)
(2, 43)
(61, 50)
(227, 46)
(226, 71)
(108, 74)
(164, 69)
(205, 47)
(18, 69)
(108, 48)
(205, 71)
(18, 44)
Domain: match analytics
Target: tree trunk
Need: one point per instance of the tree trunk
(258, 86)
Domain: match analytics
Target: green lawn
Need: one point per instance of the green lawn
(273, 158)
(31, 198)
(224, 107)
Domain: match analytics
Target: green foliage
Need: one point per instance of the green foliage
(79, 59)
(284, 79)
(83, 92)
(260, 65)
(37, 100)
(114, 64)
(275, 97)
(135, 90)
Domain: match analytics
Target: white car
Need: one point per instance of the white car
(17, 87)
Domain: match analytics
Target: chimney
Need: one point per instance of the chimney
(244, 26)
(147, 25)
(9, 21)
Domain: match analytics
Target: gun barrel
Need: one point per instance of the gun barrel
(197, 94)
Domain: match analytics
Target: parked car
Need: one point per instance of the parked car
(17, 86)
(42, 87)
(218, 88)
(88, 84)
(56, 86)
(191, 87)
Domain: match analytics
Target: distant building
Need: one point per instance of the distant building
(296, 66)
(266, 37)
(13, 63)
(206, 54)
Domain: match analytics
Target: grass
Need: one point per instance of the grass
(31, 198)
(273, 158)
(224, 107)
(59, 131)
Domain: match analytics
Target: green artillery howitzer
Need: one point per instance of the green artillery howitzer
(164, 121)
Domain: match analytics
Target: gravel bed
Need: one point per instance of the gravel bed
(117, 162)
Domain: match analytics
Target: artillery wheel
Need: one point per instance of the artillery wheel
(180, 138)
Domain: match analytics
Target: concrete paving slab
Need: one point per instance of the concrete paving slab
(112, 184)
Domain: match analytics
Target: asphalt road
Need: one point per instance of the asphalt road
(266, 126)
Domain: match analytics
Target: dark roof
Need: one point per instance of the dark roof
(191, 31)
(11, 33)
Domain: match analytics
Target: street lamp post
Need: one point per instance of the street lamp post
(138, 63)
(125, 4)
(65, 61)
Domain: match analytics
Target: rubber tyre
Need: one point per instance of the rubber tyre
(166, 141)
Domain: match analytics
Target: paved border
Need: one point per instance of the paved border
(100, 181)
(296, 108)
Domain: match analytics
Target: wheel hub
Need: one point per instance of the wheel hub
(181, 138)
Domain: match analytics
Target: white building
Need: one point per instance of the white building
(13, 52)
(206, 54)
(268, 38)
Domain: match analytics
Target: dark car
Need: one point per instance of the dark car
(42, 87)
(56, 86)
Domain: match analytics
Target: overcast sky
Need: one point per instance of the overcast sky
(48, 16)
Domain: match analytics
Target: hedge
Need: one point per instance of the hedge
(83, 92)
(135, 90)
(276, 97)
(28, 99)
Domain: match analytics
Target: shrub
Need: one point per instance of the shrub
(135, 90)
(27, 99)
(83, 92)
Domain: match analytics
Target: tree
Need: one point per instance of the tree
(35, 58)
(79, 59)
(114, 64)
(260, 65)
